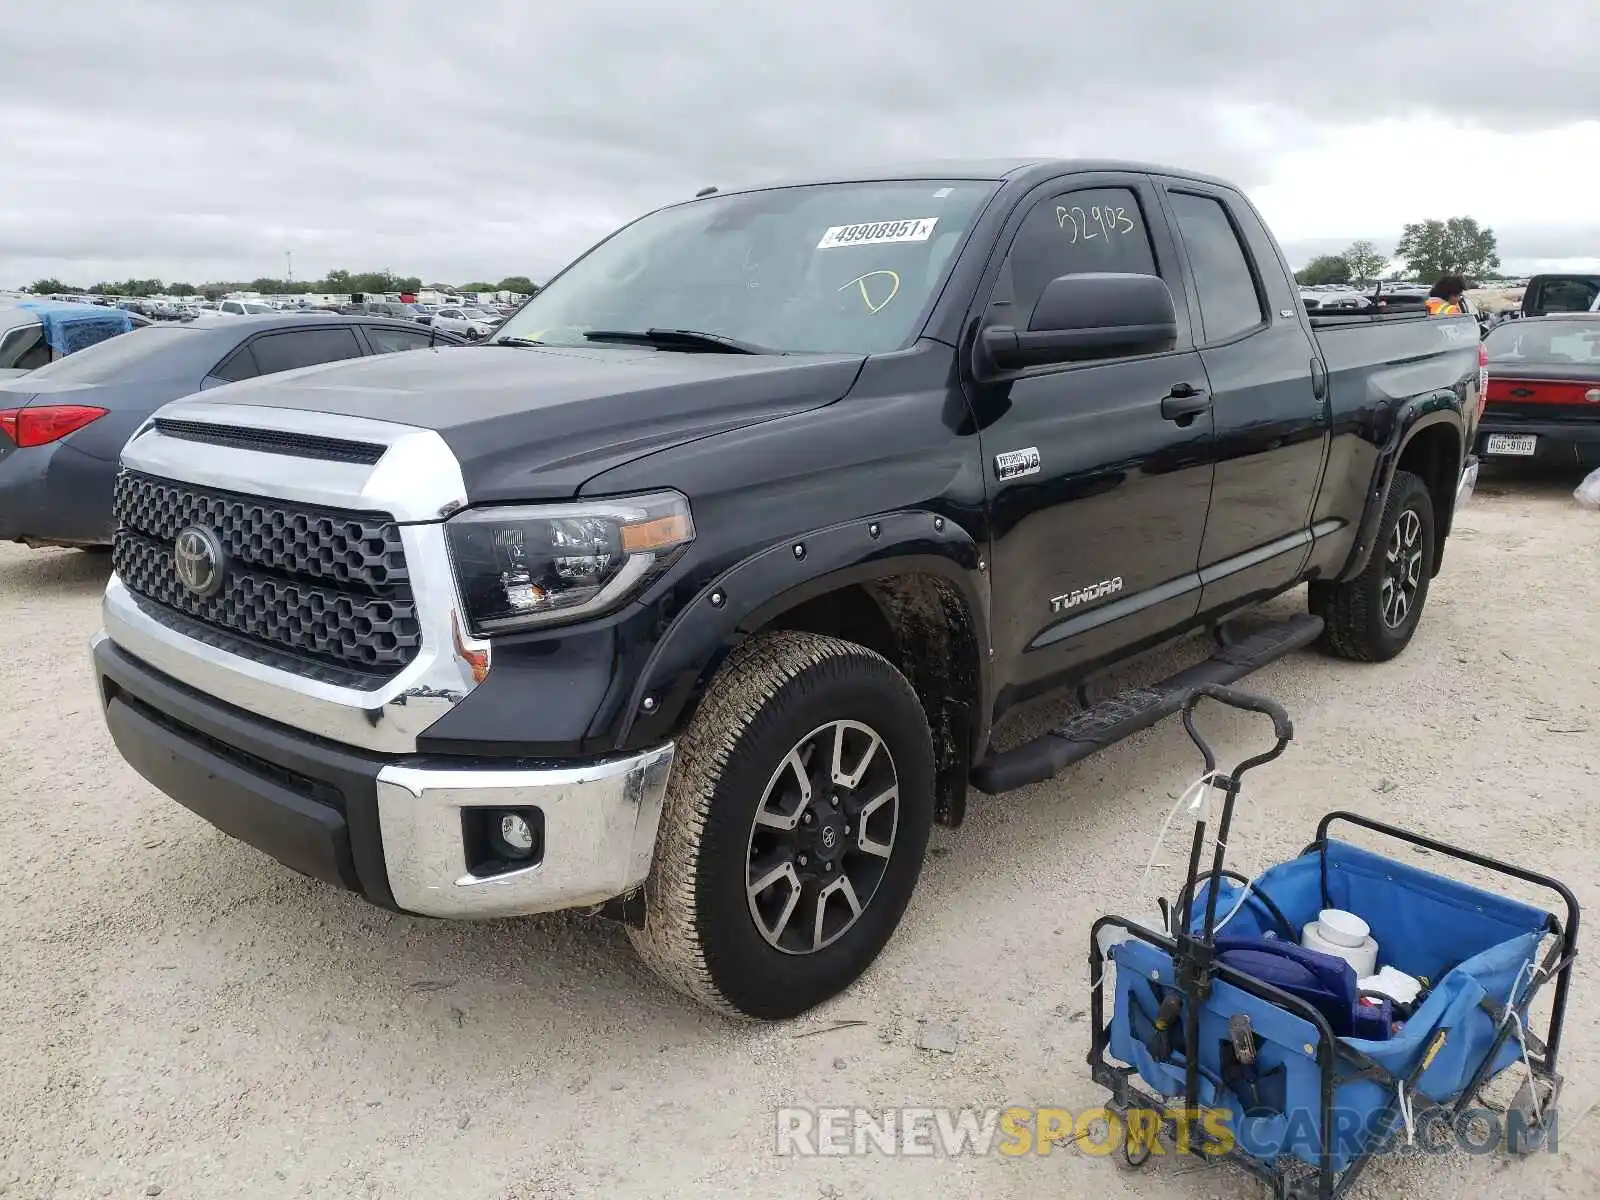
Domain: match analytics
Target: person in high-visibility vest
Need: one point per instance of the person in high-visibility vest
(1445, 298)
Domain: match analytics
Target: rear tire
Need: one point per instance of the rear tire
(788, 721)
(1372, 617)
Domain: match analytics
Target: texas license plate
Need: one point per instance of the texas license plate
(1522, 444)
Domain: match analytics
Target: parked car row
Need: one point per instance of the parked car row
(63, 425)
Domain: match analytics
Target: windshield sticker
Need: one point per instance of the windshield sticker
(942, 193)
(860, 284)
(879, 233)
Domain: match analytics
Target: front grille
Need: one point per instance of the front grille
(322, 584)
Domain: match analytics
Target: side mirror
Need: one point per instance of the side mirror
(1088, 316)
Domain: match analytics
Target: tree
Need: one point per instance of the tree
(478, 287)
(1325, 268)
(520, 284)
(1455, 247)
(1365, 261)
(44, 287)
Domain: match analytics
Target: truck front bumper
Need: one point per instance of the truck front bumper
(400, 831)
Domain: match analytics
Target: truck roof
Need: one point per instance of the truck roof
(997, 169)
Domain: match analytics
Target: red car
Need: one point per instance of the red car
(1544, 391)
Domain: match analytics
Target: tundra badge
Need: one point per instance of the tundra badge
(1095, 591)
(1014, 464)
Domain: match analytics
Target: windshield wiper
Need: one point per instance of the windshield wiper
(677, 339)
(514, 341)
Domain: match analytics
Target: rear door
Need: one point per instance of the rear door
(1098, 502)
(1268, 395)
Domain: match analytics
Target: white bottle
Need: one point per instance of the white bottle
(1343, 934)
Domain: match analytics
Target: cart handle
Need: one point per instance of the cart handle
(1282, 726)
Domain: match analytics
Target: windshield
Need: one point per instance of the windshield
(827, 268)
(1545, 342)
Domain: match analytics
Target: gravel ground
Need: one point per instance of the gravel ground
(184, 1018)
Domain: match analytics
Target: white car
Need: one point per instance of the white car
(244, 308)
(468, 322)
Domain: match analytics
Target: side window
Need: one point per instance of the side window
(303, 347)
(1100, 229)
(232, 306)
(241, 364)
(24, 348)
(1229, 302)
(386, 340)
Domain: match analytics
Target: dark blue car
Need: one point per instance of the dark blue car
(63, 426)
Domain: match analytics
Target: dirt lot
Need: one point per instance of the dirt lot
(183, 1017)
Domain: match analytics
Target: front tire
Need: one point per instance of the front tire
(1372, 617)
(793, 830)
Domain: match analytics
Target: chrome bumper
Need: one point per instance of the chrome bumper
(600, 823)
(1468, 482)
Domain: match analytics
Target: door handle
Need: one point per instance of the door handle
(1184, 403)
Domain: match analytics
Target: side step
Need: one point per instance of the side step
(1126, 713)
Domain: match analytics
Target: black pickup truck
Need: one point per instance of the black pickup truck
(693, 597)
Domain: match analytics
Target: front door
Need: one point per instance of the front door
(1097, 501)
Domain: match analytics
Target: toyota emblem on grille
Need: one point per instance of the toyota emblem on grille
(197, 560)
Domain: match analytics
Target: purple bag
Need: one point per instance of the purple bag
(1324, 981)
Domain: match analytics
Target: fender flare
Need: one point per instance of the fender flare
(1414, 416)
(746, 596)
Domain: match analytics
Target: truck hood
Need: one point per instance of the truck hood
(534, 423)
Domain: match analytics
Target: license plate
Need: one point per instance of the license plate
(1523, 444)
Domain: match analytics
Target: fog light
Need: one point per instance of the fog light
(497, 840)
(516, 836)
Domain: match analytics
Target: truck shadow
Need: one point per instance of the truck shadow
(58, 572)
(1530, 480)
(494, 985)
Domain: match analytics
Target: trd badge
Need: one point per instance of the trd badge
(1014, 464)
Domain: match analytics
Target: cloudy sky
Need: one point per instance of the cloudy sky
(458, 139)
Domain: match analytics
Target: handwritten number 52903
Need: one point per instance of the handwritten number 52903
(1098, 221)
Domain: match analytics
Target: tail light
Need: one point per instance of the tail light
(1483, 377)
(46, 423)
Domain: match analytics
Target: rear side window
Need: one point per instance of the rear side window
(1229, 302)
(386, 340)
(303, 348)
(241, 364)
(24, 348)
(233, 306)
(1102, 229)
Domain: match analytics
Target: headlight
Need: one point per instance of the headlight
(550, 563)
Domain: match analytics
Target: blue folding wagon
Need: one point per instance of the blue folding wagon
(1230, 1040)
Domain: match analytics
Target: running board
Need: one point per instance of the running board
(1126, 713)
